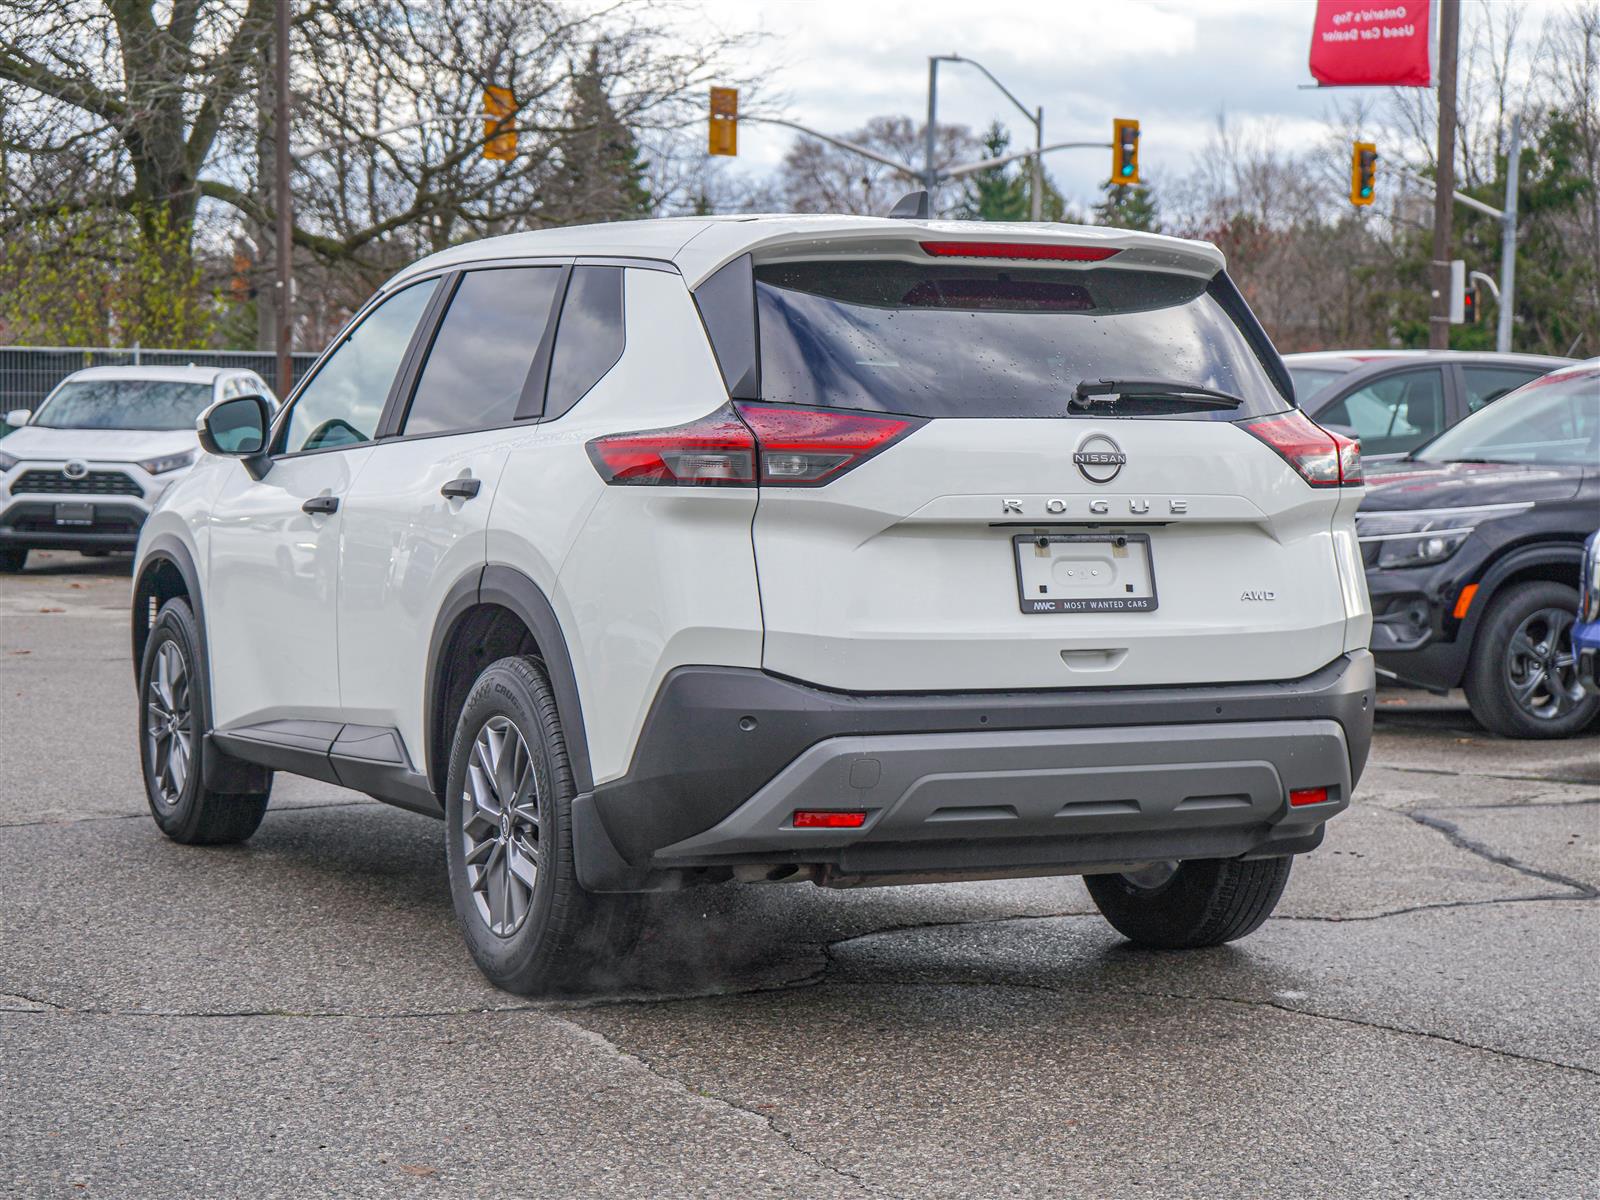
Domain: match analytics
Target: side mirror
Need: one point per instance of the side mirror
(17, 417)
(238, 428)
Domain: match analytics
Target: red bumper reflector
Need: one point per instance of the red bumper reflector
(1052, 251)
(816, 818)
(1300, 796)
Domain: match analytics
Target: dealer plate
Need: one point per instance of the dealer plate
(74, 514)
(1085, 572)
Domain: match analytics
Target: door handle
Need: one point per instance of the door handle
(321, 505)
(461, 489)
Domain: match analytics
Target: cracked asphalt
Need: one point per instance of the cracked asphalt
(297, 1017)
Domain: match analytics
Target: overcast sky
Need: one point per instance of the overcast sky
(1172, 64)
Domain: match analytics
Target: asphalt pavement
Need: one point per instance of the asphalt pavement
(298, 1016)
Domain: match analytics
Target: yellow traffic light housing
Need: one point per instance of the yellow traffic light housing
(499, 134)
(1363, 172)
(1124, 150)
(724, 132)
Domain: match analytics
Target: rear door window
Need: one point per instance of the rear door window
(1393, 414)
(983, 341)
(1485, 385)
(589, 339)
(482, 358)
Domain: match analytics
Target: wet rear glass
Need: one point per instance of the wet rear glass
(981, 341)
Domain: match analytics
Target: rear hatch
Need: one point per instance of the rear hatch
(1008, 535)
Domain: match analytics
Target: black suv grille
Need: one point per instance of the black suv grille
(95, 483)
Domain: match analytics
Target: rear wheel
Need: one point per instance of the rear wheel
(1522, 680)
(172, 745)
(508, 827)
(12, 559)
(1181, 906)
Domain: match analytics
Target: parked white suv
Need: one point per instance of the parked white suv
(856, 550)
(84, 471)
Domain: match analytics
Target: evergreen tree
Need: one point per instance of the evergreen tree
(1128, 206)
(1005, 193)
(598, 175)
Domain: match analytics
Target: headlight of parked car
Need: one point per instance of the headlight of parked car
(7, 461)
(169, 462)
(1416, 539)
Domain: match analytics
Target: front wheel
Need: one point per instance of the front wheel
(1522, 680)
(172, 746)
(12, 559)
(1182, 906)
(508, 829)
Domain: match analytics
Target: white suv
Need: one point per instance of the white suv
(84, 471)
(851, 550)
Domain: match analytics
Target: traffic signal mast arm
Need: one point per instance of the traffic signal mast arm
(954, 172)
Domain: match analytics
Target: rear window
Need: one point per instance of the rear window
(980, 341)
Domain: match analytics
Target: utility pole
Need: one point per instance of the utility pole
(1443, 203)
(930, 177)
(281, 200)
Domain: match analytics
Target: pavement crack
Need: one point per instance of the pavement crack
(1453, 834)
(1440, 905)
(1483, 775)
(595, 1037)
(280, 810)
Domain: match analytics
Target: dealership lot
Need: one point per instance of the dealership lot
(298, 1016)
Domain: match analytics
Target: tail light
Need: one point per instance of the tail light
(737, 446)
(1322, 458)
(1039, 251)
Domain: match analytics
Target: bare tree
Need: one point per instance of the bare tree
(818, 177)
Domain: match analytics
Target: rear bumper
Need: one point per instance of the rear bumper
(972, 784)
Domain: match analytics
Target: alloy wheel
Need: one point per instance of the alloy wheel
(169, 722)
(500, 826)
(1540, 668)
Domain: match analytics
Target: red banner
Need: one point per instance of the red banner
(1363, 43)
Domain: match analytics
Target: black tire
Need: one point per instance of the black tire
(547, 935)
(1203, 903)
(1526, 641)
(186, 810)
(12, 559)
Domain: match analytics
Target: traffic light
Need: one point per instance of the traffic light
(500, 135)
(724, 132)
(1469, 305)
(1124, 150)
(1363, 172)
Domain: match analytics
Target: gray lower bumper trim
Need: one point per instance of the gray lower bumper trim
(1039, 784)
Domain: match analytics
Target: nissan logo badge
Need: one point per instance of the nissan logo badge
(1099, 459)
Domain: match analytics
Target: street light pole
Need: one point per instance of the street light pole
(1508, 243)
(930, 175)
(281, 199)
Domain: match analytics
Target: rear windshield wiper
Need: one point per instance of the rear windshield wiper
(1111, 392)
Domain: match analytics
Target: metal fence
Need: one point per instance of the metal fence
(27, 373)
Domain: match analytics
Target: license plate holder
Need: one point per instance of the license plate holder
(75, 514)
(1085, 572)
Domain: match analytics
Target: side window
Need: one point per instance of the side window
(1393, 414)
(341, 404)
(590, 338)
(483, 353)
(1485, 385)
